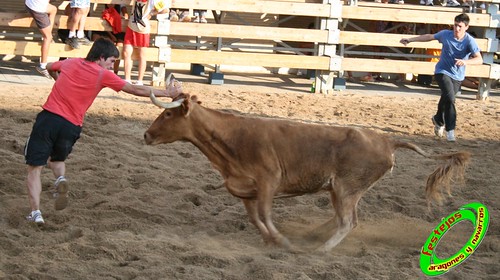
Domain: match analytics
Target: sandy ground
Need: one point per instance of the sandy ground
(143, 212)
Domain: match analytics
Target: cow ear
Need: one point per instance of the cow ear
(186, 106)
(194, 98)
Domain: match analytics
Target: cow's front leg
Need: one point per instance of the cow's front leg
(264, 205)
(253, 215)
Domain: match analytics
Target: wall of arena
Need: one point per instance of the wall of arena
(328, 36)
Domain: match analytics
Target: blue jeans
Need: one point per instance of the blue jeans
(446, 114)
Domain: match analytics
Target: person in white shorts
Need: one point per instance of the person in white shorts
(44, 14)
(76, 23)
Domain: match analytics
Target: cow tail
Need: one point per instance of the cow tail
(451, 169)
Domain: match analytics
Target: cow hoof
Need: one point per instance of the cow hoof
(285, 243)
(322, 250)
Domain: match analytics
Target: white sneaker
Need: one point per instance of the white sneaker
(438, 129)
(60, 193)
(450, 136)
(422, 2)
(429, 3)
(35, 216)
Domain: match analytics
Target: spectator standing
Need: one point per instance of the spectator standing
(137, 34)
(458, 49)
(113, 14)
(44, 14)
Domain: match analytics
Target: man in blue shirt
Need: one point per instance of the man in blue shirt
(458, 49)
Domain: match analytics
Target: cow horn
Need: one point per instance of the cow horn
(169, 79)
(166, 105)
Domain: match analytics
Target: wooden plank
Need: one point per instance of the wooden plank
(250, 59)
(412, 16)
(404, 66)
(372, 4)
(249, 32)
(183, 29)
(29, 48)
(408, 6)
(241, 32)
(61, 21)
(124, 2)
(392, 40)
(248, 6)
(253, 59)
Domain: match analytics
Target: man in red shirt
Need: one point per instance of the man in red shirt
(58, 126)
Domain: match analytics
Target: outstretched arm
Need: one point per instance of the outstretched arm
(172, 90)
(421, 38)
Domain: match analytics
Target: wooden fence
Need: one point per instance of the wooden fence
(334, 33)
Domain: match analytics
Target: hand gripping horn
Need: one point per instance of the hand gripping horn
(166, 105)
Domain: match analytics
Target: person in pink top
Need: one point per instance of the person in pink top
(59, 124)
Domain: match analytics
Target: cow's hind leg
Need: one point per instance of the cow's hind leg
(345, 219)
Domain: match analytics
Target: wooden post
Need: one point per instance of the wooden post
(324, 80)
(164, 56)
(488, 57)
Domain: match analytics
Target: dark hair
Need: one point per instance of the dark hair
(102, 47)
(462, 18)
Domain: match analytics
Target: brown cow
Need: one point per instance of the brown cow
(263, 158)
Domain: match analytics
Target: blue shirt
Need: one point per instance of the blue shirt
(454, 49)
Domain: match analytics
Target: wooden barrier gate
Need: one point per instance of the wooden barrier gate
(337, 33)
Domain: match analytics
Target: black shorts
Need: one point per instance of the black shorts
(42, 20)
(52, 136)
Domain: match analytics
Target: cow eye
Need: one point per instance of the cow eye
(168, 114)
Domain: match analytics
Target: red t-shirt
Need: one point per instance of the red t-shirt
(77, 87)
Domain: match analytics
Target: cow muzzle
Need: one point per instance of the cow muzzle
(148, 139)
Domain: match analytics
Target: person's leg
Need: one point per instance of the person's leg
(73, 20)
(142, 64)
(116, 66)
(446, 106)
(44, 21)
(80, 33)
(203, 14)
(34, 186)
(60, 188)
(47, 34)
(439, 116)
(34, 191)
(127, 61)
(58, 168)
(196, 14)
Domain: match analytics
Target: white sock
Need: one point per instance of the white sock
(43, 65)
(80, 34)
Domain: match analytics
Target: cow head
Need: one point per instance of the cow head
(173, 123)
